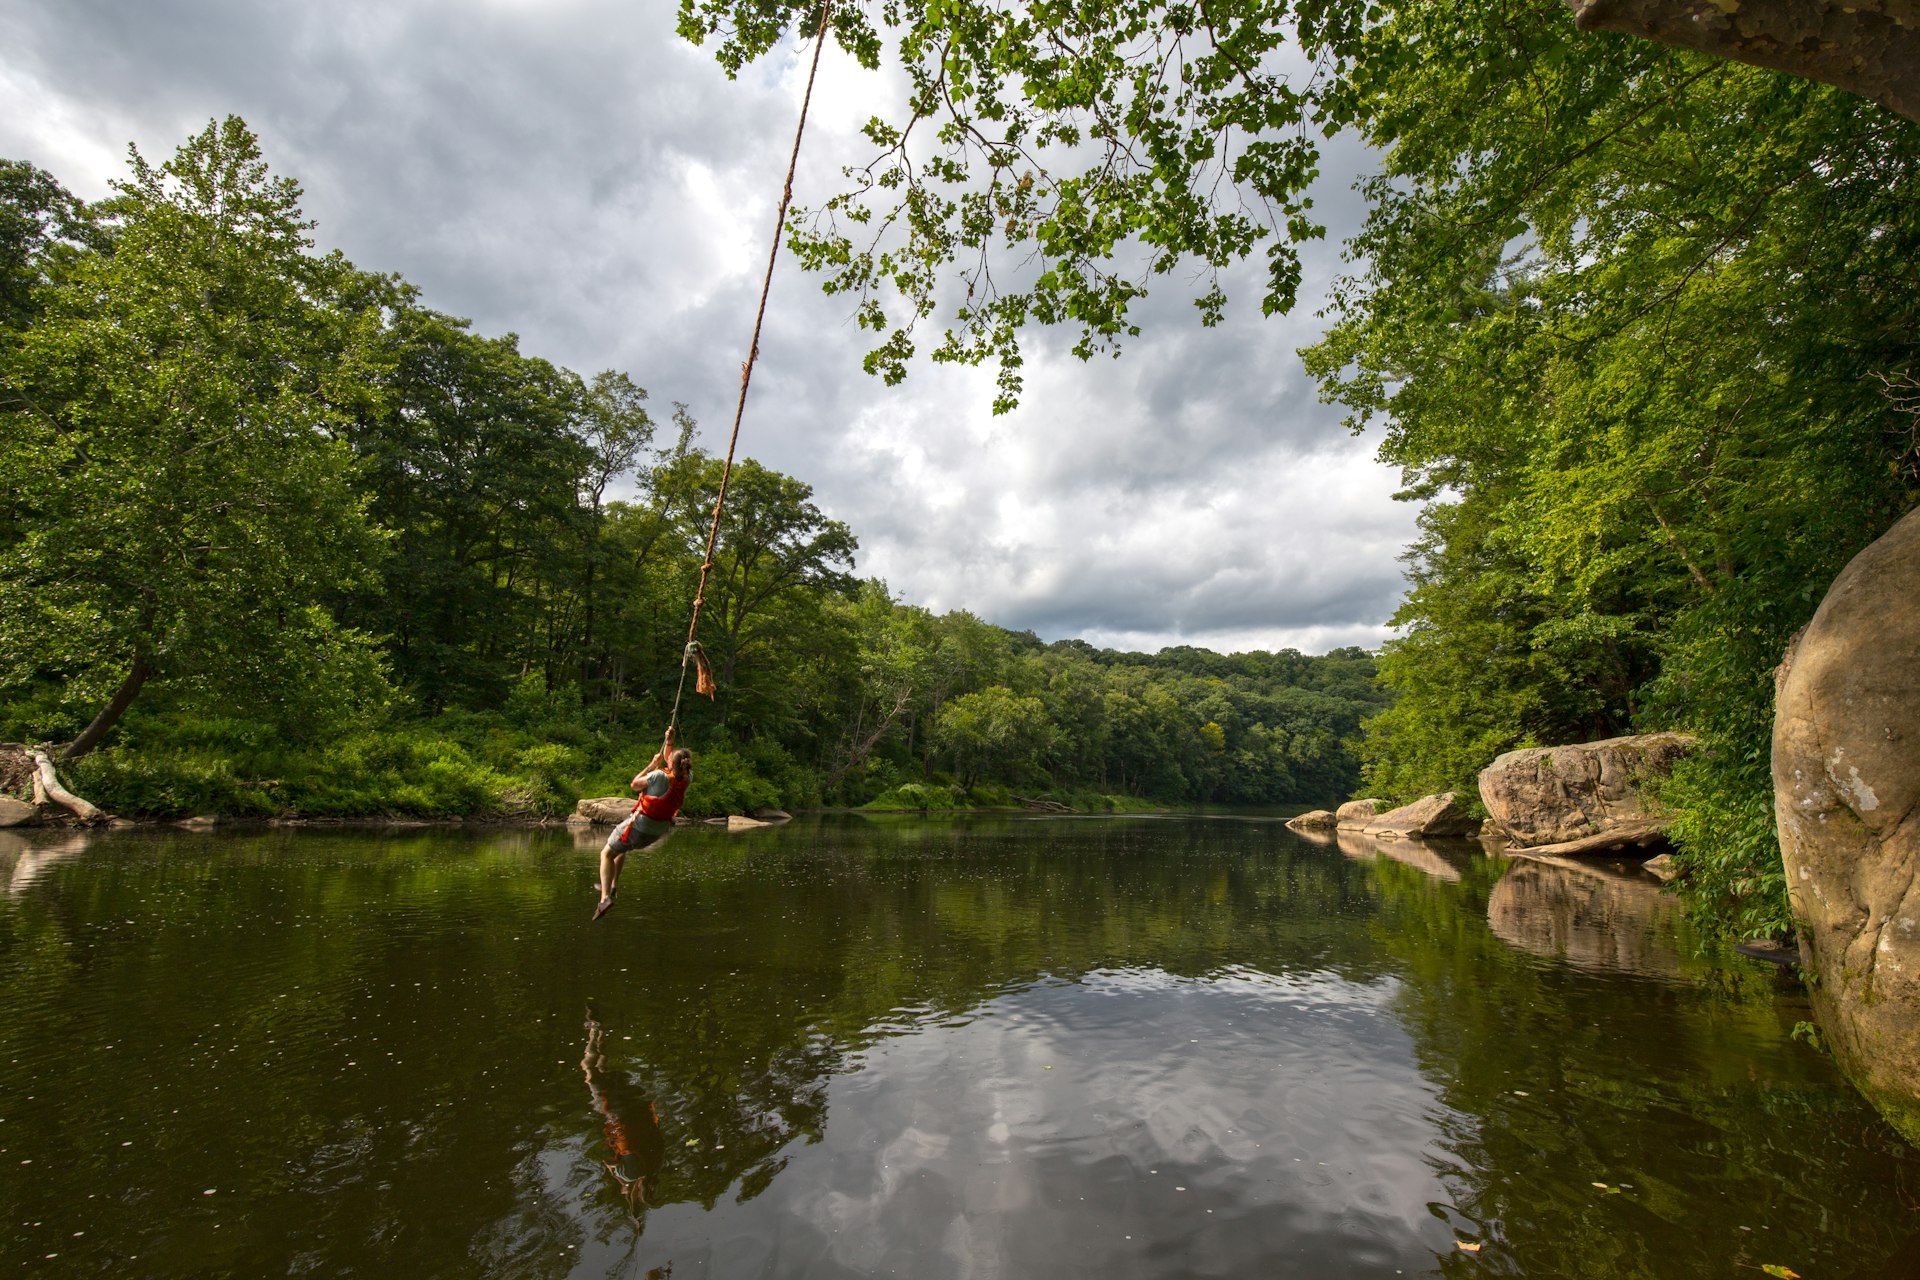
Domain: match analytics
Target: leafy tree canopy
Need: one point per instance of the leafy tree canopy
(185, 501)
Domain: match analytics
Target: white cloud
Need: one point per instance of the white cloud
(579, 175)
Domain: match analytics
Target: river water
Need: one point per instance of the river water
(846, 1047)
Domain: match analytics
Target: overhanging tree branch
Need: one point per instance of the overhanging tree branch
(1868, 47)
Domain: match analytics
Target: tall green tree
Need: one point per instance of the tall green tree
(173, 453)
(41, 224)
(775, 551)
(1637, 362)
(617, 430)
(995, 732)
(473, 459)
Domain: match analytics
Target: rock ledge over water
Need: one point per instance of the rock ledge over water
(1440, 815)
(1354, 815)
(1583, 792)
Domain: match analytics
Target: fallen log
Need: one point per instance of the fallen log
(49, 781)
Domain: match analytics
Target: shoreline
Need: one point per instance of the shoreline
(211, 822)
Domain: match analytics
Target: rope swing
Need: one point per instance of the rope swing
(693, 653)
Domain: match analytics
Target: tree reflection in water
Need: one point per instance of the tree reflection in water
(370, 1045)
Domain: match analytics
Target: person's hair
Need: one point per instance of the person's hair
(680, 762)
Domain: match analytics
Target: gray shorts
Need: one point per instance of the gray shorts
(637, 832)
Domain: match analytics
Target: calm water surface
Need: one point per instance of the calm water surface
(1049, 1048)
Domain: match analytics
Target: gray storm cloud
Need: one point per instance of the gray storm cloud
(575, 173)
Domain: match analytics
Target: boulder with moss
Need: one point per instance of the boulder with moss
(1556, 795)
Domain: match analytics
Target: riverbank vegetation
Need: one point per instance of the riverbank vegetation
(1641, 326)
(282, 539)
(1639, 322)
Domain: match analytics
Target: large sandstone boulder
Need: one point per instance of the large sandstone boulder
(16, 813)
(1552, 795)
(1846, 783)
(1355, 814)
(1314, 820)
(1439, 815)
(602, 811)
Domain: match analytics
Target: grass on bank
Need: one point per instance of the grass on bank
(535, 758)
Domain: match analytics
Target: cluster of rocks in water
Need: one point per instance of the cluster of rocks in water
(1846, 785)
(1589, 798)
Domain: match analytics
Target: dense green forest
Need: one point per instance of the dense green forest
(1642, 325)
(1651, 371)
(1639, 326)
(281, 538)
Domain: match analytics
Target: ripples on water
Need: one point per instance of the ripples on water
(991, 1048)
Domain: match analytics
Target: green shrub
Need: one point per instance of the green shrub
(991, 795)
(920, 795)
(167, 786)
(724, 782)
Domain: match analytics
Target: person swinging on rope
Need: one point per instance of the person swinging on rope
(662, 786)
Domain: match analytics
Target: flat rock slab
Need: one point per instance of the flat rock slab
(1637, 844)
(1355, 814)
(1439, 815)
(17, 813)
(1768, 950)
(604, 811)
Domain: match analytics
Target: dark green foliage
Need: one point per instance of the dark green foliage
(1637, 362)
(42, 225)
(370, 560)
(183, 503)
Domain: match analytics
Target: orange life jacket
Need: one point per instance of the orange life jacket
(664, 808)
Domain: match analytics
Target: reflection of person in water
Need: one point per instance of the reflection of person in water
(632, 1125)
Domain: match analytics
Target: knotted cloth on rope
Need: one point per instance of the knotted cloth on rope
(693, 652)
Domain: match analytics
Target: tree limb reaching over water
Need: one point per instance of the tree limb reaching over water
(1868, 47)
(1054, 159)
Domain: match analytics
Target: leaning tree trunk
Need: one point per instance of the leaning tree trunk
(49, 781)
(1868, 47)
(111, 713)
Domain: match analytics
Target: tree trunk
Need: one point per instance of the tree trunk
(1868, 47)
(864, 748)
(111, 713)
(47, 779)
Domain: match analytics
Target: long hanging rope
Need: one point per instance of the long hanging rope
(692, 651)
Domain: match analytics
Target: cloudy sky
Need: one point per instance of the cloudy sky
(571, 171)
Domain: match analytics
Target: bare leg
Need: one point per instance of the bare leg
(610, 864)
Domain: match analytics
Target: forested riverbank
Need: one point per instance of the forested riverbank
(1638, 323)
(284, 540)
